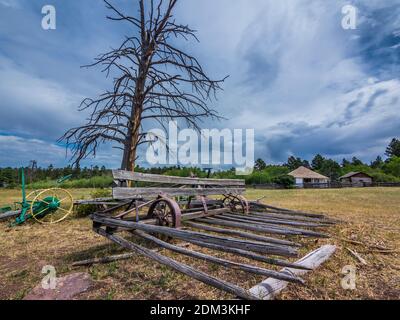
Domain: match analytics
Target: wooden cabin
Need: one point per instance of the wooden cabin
(304, 176)
(356, 178)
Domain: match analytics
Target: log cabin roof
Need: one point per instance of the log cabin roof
(353, 173)
(305, 173)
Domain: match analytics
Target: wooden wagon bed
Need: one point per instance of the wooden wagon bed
(209, 213)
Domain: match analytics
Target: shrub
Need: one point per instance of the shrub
(93, 182)
(84, 210)
(392, 167)
(285, 181)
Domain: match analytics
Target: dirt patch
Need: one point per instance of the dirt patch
(65, 288)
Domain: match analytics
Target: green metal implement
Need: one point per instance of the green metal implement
(46, 206)
(5, 209)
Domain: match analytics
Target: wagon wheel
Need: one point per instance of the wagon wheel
(51, 205)
(235, 203)
(167, 214)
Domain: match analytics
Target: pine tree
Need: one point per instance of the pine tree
(356, 162)
(317, 162)
(377, 163)
(393, 149)
(260, 165)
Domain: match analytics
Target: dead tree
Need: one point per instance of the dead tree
(153, 80)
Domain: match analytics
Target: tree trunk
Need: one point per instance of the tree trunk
(138, 100)
(125, 156)
(134, 136)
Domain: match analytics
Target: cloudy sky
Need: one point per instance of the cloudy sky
(305, 84)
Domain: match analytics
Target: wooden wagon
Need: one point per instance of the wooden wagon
(189, 209)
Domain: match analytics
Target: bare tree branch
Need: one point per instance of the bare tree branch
(153, 81)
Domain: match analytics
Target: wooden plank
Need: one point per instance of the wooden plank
(183, 268)
(303, 232)
(259, 228)
(107, 200)
(190, 236)
(220, 261)
(132, 193)
(9, 214)
(270, 287)
(157, 178)
(202, 214)
(81, 202)
(242, 234)
(293, 218)
(249, 255)
(246, 218)
(184, 217)
(112, 258)
(286, 211)
(117, 257)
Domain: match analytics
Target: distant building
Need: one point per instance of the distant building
(356, 178)
(304, 175)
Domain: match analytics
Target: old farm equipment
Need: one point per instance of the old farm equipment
(46, 206)
(215, 215)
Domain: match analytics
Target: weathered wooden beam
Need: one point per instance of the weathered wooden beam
(96, 203)
(108, 259)
(259, 228)
(270, 221)
(268, 214)
(202, 214)
(303, 232)
(249, 255)
(192, 215)
(242, 234)
(181, 267)
(267, 225)
(156, 178)
(185, 216)
(286, 211)
(9, 214)
(192, 235)
(270, 287)
(220, 261)
(131, 193)
(304, 220)
(108, 200)
(112, 258)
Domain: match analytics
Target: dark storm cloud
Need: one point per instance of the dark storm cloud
(302, 82)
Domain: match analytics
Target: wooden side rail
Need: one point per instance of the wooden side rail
(121, 175)
(231, 189)
(131, 193)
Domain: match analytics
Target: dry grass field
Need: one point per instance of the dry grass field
(371, 226)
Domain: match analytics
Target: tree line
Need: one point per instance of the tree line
(387, 170)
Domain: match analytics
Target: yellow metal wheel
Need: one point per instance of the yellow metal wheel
(62, 201)
(33, 194)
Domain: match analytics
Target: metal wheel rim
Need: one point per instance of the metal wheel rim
(67, 198)
(163, 212)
